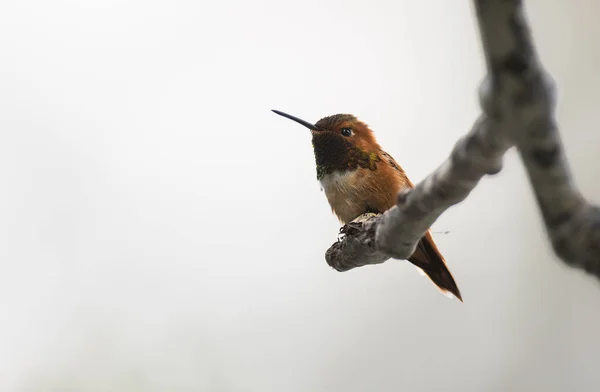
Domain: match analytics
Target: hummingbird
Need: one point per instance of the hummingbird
(359, 177)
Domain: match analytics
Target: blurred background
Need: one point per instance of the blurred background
(162, 230)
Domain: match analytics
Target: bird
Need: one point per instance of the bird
(359, 177)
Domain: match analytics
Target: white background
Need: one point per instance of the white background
(162, 230)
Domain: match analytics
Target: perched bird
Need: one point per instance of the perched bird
(359, 177)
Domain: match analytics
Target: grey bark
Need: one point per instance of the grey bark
(518, 101)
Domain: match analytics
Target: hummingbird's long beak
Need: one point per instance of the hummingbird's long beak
(308, 125)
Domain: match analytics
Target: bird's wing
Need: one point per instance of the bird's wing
(397, 167)
(427, 257)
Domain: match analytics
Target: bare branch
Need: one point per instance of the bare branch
(517, 98)
(477, 154)
(357, 248)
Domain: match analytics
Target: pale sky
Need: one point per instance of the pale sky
(163, 230)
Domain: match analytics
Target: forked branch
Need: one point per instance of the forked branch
(517, 98)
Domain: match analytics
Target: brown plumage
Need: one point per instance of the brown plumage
(358, 176)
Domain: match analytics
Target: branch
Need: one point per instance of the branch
(358, 247)
(517, 98)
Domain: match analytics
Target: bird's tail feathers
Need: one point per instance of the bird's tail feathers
(429, 262)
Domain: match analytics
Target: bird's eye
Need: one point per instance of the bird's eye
(346, 131)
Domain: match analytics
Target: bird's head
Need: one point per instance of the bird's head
(341, 142)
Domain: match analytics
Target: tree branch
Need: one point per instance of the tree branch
(517, 99)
